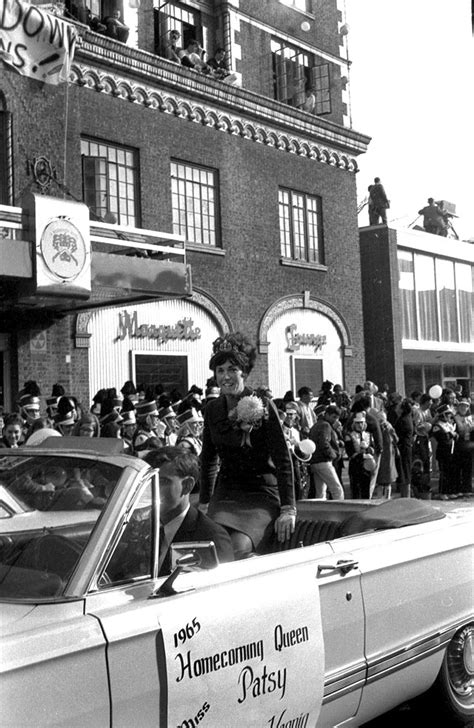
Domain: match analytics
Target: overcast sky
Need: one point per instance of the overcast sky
(412, 92)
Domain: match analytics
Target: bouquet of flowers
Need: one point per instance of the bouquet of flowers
(248, 415)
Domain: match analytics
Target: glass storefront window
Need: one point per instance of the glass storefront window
(465, 287)
(426, 297)
(407, 291)
(447, 300)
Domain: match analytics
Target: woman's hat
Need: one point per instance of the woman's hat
(188, 417)
(143, 409)
(464, 402)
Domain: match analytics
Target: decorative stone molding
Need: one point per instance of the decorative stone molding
(81, 335)
(212, 307)
(200, 113)
(302, 300)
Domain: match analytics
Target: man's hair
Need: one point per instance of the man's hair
(425, 398)
(220, 50)
(304, 390)
(14, 419)
(376, 180)
(184, 463)
(332, 409)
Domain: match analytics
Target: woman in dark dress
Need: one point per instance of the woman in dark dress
(246, 472)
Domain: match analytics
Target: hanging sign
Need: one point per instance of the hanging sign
(36, 43)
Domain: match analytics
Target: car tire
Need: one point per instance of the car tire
(454, 687)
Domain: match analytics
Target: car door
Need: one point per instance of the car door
(241, 644)
(416, 586)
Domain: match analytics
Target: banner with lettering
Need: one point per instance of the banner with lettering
(247, 653)
(36, 43)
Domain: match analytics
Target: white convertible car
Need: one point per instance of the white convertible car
(368, 606)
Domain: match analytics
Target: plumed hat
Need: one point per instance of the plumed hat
(444, 409)
(64, 418)
(236, 348)
(113, 417)
(128, 417)
(128, 388)
(145, 408)
(165, 412)
(189, 416)
(29, 401)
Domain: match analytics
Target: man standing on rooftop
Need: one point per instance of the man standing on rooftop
(378, 203)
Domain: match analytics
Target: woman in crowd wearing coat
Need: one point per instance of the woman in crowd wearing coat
(387, 473)
(246, 472)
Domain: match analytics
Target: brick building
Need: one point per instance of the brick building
(249, 186)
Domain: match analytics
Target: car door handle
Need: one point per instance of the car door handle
(343, 565)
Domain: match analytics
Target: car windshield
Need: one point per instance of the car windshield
(49, 505)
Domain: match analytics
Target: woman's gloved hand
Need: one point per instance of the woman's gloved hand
(285, 523)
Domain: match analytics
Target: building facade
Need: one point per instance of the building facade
(259, 185)
(418, 309)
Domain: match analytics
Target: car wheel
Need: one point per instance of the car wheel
(455, 683)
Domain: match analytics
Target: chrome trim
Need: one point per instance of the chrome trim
(356, 677)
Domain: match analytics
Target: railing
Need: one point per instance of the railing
(109, 238)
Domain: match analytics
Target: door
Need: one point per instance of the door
(229, 645)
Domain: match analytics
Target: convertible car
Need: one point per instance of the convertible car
(369, 604)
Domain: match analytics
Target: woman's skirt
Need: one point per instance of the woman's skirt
(251, 513)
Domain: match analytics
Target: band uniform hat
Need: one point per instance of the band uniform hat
(444, 409)
(359, 417)
(128, 417)
(143, 409)
(52, 402)
(166, 412)
(110, 418)
(64, 418)
(28, 401)
(188, 417)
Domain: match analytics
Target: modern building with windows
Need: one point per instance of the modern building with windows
(418, 309)
(212, 205)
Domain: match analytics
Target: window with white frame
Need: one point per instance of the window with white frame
(194, 199)
(303, 5)
(110, 181)
(301, 230)
(437, 298)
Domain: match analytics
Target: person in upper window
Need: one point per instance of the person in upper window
(115, 28)
(246, 472)
(193, 57)
(172, 47)
(218, 64)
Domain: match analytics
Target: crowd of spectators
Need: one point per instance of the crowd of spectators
(388, 443)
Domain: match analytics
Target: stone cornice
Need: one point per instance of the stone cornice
(157, 84)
